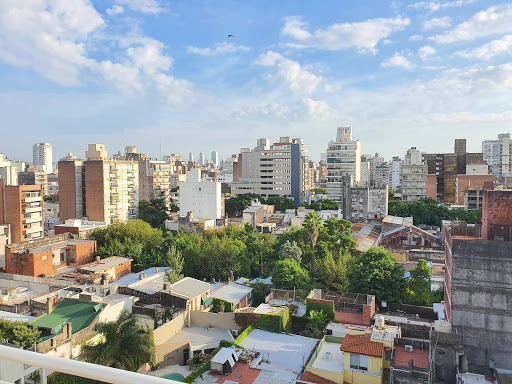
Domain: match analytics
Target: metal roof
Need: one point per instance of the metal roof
(232, 292)
(109, 262)
(189, 287)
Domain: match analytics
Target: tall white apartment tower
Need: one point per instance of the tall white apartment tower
(343, 158)
(498, 154)
(191, 157)
(414, 176)
(215, 158)
(42, 157)
(201, 158)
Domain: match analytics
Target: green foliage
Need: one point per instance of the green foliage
(199, 373)
(175, 262)
(298, 324)
(63, 378)
(419, 286)
(315, 307)
(162, 316)
(222, 306)
(35, 377)
(51, 199)
(312, 224)
(19, 333)
(427, 211)
(281, 203)
(321, 205)
(260, 291)
(377, 272)
(234, 206)
(288, 274)
(243, 335)
(319, 190)
(317, 321)
(125, 346)
(277, 323)
(153, 212)
(290, 250)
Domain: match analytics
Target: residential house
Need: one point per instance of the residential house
(236, 294)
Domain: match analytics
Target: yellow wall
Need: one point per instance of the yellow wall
(336, 377)
(374, 375)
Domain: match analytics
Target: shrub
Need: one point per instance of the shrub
(327, 309)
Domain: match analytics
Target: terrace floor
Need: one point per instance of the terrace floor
(420, 358)
(349, 318)
(337, 361)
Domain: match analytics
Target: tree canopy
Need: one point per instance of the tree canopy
(288, 274)
(153, 212)
(18, 333)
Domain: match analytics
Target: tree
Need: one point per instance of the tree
(317, 321)
(290, 250)
(288, 274)
(377, 272)
(153, 212)
(419, 285)
(175, 263)
(18, 333)
(312, 223)
(281, 203)
(260, 291)
(125, 345)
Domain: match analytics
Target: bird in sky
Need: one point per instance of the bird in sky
(231, 36)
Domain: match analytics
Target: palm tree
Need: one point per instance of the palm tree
(313, 223)
(125, 345)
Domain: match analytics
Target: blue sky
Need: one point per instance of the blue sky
(402, 74)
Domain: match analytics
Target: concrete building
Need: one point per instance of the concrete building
(44, 256)
(155, 181)
(42, 157)
(280, 169)
(21, 206)
(202, 199)
(5, 238)
(191, 157)
(414, 176)
(99, 189)
(215, 158)
(35, 178)
(343, 158)
(360, 204)
(201, 159)
(108, 269)
(396, 173)
(497, 154)
(470, 190)
(365, 173)
(478, 286)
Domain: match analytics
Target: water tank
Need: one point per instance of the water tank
(379, 321)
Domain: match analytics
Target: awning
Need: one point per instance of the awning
(207, 301)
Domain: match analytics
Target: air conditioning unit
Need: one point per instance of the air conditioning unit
(408, 348)
(235, 332)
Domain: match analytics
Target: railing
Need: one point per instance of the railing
(77, 368)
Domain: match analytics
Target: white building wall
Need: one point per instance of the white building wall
(203, 199)
(42, 157)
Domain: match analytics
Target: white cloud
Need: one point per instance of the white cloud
(149, 57)
(151, 7)
(425, 52)
(487, 51)
(220, 48)
(494, 20)
(319, 110)
(437, 22)
(398, 61)
(436, 5)
(290, 72)
(115, 10)
(415, 38)
(361, 35)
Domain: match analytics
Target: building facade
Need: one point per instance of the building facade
(280, 169)
(497, 154)
(42, 157)
(202, 199)
(343, 158)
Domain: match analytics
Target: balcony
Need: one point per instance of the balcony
(32, 199)
(32, 209)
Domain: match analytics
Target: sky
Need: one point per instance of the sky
(165, 74)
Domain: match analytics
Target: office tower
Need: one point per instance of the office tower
(280, 169)
(201, 158)
(343, 158)
(497, 154)
(215, 158)
(191, 157)
(21, 206)
(42, 157)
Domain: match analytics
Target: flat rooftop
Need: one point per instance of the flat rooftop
(109, 262)
(232, 292)
(419, 357)
(150, 282)
(288, 351)
(60, 244)
(329, 358)
(199, 337)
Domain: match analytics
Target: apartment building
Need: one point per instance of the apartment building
(343, 158)
(99, 189)
(360, 204)
(201, 198)
(414, 176)
(396, 173)
(42, 157)
(497, 153)
(21, 206)
(156, 180)
(280, 169)
(34, 177)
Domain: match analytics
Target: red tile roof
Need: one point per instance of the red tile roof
(312, 378)
(362, 345)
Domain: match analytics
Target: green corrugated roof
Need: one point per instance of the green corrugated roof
(79, 313)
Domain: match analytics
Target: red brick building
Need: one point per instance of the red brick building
(497, 215)
(43, 257)
(432, 187)
(113, 268)
(465, 183)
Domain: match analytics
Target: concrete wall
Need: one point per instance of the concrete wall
(171, 353)
(497, 215)
(216, 320)
(164, 332)
(481, 299)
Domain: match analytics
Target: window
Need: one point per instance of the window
(359, 362)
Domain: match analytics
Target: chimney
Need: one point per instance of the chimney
(231, 278)
(167, 285)
(68, 330)
(49, 305)
(97, 258)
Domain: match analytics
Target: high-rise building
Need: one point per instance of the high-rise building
(414, 176)
(99, 189)
(280, 169)
(191, 157)
(201, 158)
(497, 153)
(396, 173)
(201, 198)
(215, 158)
(42, 157)
(343, 158)
(21, 206)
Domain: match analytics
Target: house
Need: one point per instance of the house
(109, 269)
(145, 285)
(254, 214)
(238, 295)
(409, 237)
(187, 293)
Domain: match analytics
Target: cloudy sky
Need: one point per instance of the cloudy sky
(141, 72)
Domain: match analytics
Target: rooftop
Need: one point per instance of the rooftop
(11, 316)
(309, 377)
(253, 209)
(189, 287)
(388, 333)
(398, 220)
(60, 244)
(328, 356)
(149, 281)
(79, 313)
(109, 262)
(366, 235)
(361, 344)
(266, 309)
(232, 292)
(199, 337)
(419, 357)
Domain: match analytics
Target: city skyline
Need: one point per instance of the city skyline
(134, 72)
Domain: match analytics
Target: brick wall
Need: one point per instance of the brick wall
(29, 264)
(497, 215)
(67, 190)
(432, 187)
(123, 269)
(83, 253)
(94, 186)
